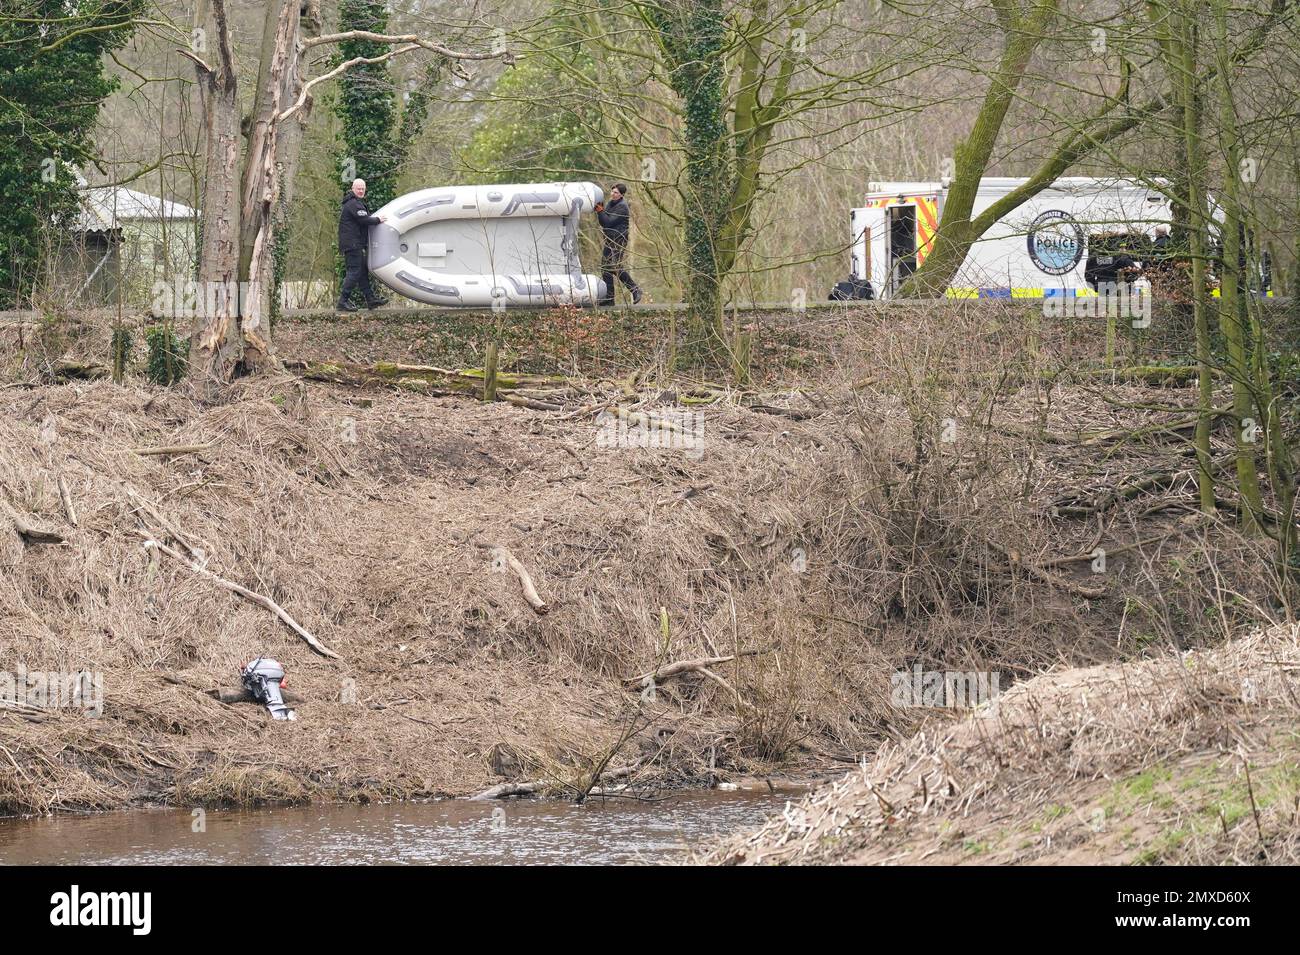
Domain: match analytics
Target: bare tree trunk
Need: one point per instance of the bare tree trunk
(213, 355)
(262, 183)
(257, 123)
(291, 133)
(1230, 310)
(1183, 62)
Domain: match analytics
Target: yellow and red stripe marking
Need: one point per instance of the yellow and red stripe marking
(927, 219)
(927, 223)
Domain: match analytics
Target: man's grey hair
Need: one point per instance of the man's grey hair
(358, 182)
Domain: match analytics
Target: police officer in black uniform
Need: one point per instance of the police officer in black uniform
(615, 221)
(1108, 263)
(355, 221)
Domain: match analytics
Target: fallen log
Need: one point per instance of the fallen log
(69, 370)
(532, 403)
(175, 449)
(30, 533)
(511, 379)
(686, 666)
(467, 381)
(503, 790)
(1159, 375)
(243, 696)
(798, 414)
(507, 559)
(639, 419)
(244, 592)
(675, 669)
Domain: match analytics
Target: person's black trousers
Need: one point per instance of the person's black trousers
(611, 265)
(356, 277)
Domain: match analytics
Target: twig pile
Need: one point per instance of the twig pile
(1061, 748)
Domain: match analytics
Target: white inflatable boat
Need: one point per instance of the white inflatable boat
(479, 246)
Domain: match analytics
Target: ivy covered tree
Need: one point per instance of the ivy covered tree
(711, 103)
(367, 105)
(52, 82)
(374, 142)
(691, 37)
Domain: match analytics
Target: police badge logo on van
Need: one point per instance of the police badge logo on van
(1055, 242)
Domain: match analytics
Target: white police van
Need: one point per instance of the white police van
(1037, 250)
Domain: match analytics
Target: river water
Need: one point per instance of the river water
(453, 831)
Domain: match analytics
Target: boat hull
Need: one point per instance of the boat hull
(494, 246)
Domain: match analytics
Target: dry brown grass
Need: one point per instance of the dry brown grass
(1183, 759)
(844, 546)
(372, 547)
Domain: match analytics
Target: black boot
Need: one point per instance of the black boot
(376, 302)
(636, 295)
(347, 307)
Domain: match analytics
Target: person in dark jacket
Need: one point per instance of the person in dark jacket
(1109, 263)
(1160, 244)
(355, 221)
(615, 219)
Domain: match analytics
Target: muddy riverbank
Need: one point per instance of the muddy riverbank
(622, 575)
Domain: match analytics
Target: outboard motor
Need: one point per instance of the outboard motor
(262, 679)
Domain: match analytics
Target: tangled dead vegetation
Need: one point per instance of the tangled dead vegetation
(1189, 758)
(392, 533)
(730, 605)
